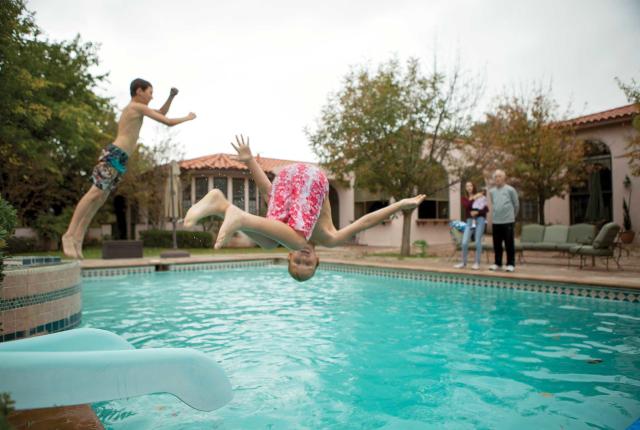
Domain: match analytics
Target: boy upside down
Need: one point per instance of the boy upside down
(298, 215)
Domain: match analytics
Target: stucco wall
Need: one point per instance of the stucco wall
(616, 138)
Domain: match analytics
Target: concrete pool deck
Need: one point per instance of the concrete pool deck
(538, 266)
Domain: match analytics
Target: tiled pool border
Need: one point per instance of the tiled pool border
(534, 285)
(540, 286)
(39, 299)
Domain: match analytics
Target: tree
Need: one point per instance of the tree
(533, 145)
(394, 129)
(52, 123)
(147, 171)
(632, 91)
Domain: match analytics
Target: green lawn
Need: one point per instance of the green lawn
(96, 252)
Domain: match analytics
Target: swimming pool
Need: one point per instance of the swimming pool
(356, 351)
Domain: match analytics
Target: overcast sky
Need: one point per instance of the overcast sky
(266, 68)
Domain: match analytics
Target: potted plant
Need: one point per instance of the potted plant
(627, 234)
(421, 246)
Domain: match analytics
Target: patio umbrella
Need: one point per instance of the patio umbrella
(595, 206)
(173, 197)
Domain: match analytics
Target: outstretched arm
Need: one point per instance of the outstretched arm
(165, 107)
(244, 155)
(157, 116)
(372, 219)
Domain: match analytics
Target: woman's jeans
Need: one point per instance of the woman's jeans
(466, 238)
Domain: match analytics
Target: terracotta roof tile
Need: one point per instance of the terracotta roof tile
(616, 114)
(228, 162)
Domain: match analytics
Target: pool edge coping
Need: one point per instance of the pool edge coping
(622, 291)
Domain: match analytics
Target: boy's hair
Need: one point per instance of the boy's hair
(138, 83)
(299, 278)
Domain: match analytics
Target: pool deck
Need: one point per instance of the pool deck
(538, 266)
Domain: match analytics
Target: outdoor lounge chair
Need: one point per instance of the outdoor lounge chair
(602, 246)
(560, 238)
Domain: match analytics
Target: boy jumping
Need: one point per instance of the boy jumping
(112, 163)
(299, 214)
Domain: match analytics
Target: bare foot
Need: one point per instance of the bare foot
(214, 203)
(68, 247)
(232, 223)
(413, 202)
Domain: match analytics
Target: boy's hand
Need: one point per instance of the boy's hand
(191, 116)
(243, 150)
(173, 92)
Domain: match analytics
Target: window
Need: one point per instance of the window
(433, 209)
(437, 204)
(253, 197)
(528, 211)
(238, 192)
(202, 187)
(591, 200)
(220, 183)
(186, 195)
(366, 202)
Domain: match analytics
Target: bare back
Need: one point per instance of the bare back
(129, 127)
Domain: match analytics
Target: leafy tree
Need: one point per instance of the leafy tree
(143, 186)
(7, 225)
(527, 138)
(394, 129)
(632, 91)
(52, 123)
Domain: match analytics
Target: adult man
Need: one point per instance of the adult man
(505, 205)
(113, 161)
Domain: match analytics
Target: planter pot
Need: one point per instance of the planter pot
(627, 236)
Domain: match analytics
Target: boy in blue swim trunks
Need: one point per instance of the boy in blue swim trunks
(113, 160)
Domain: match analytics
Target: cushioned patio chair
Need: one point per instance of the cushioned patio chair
(554, 235)
(602, 246)
(531, 235)
(579, 234)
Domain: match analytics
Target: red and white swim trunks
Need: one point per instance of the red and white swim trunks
(296, 197)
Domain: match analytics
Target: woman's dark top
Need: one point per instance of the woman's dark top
(466, 204)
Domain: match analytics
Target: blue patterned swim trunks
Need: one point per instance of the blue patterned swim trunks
(111, 166)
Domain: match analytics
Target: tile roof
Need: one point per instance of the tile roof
(612, 115)
(228, 162)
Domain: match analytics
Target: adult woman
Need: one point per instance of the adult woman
(474, 216)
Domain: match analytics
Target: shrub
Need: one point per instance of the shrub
(50, 227)
(422, 245)
(185, 239)
(8, 221)
(20, 245)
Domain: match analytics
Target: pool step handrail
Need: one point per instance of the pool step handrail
(88, 365)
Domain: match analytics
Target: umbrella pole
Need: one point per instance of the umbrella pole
(173, 215)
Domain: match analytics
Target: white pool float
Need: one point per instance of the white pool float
(89, 365)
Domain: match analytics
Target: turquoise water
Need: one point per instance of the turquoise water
(347, 351)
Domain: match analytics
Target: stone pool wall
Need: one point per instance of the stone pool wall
(40, 300)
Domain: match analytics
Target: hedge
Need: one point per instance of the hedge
(20, 245)
(186, 239)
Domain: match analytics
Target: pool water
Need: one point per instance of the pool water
(346, 351)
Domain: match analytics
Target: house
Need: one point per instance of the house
(606, 134)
